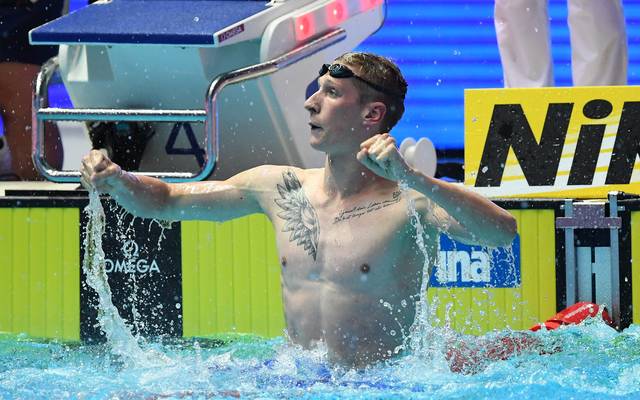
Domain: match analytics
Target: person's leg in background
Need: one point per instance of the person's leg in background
(598, 42)
(19, 65)
(522, 29)
(15, 104)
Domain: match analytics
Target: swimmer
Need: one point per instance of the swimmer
(350, 267)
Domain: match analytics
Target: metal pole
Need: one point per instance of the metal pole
(615, 260)
(570, 256)
(40, 97)
(115, 114)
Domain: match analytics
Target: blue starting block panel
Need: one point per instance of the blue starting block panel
(168, 22)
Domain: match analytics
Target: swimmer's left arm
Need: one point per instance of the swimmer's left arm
(465, 215)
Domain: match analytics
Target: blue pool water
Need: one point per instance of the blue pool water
(596, 363)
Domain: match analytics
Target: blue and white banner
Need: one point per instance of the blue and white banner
(464, 266)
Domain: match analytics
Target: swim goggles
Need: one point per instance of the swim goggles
(342, 71)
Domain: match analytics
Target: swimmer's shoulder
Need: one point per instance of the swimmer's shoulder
(276, 173)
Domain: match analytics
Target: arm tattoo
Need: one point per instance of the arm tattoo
(360, 210)
(299, 215)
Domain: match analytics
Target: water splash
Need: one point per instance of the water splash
(119, 337)
(424, 342)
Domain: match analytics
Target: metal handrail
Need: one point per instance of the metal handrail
(116, 114)
(209, 115)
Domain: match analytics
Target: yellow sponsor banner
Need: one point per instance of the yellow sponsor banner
(577, 142)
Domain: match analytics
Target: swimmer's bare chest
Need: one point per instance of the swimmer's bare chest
(352, 255)
(357, 263)
(339, 261)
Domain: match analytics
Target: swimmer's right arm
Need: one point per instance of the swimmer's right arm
(149, 197)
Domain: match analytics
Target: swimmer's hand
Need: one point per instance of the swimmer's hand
(99, 172)
(380, 154)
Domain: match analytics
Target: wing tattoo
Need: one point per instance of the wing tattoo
(299, 215)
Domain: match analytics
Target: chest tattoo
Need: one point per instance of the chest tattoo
(362, 209)
(299, 215)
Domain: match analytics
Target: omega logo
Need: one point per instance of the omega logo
(131, 264)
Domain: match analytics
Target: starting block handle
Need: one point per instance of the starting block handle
(41, 112)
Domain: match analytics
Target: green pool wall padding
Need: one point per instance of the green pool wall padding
(39, 273)
(230, 277)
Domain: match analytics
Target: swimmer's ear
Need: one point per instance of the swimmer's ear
(374, 113)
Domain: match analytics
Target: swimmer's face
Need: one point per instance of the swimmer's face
(337, 115)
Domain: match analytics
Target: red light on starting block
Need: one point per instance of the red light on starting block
(337, 12)
(305, 27)
(370, 4)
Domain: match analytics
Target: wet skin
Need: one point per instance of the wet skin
(355, 285)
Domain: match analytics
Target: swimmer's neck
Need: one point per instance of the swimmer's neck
(345, 176)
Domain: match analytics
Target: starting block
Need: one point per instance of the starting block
(219, 82)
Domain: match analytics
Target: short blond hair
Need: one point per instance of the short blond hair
(385, 73)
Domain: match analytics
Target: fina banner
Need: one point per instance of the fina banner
(464, 266)
(143, 262)
(569, 142)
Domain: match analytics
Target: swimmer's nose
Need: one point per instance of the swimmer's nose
(311, 104)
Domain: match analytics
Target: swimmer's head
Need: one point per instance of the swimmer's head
(384, 73)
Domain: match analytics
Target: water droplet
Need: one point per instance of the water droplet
(196, 19)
